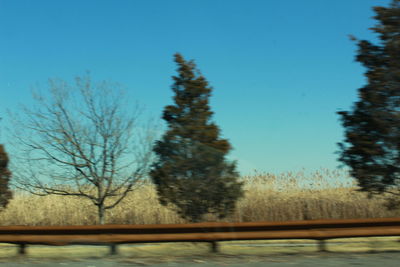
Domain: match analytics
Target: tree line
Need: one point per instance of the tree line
(187, 165)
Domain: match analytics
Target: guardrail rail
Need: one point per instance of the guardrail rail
(212, 232)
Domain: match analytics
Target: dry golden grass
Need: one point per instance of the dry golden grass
(267, 198)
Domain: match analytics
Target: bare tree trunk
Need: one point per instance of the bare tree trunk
(101, 213)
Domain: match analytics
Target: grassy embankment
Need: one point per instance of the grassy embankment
(267, 198)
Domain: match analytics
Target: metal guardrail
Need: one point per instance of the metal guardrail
(212, 232)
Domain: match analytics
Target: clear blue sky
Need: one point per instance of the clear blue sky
(280, 69)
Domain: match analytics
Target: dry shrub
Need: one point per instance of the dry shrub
(322, 195)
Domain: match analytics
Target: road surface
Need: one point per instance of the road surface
(325, 259)
(347, 252)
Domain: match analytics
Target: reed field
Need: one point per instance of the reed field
(285, 197)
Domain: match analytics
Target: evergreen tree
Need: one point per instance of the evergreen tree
(5, 175)
(191, 171)
(373, 128)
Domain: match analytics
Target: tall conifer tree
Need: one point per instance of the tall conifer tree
(373, 128)
(191, 172)
(5, 175)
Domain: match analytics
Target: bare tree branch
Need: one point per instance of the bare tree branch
(90, 147)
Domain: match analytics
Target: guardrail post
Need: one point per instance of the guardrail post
(21, 250)
(322, 245)
(113, 249)
(214, 246)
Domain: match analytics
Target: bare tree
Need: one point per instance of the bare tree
(84, 157)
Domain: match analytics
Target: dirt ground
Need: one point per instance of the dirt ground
(342, 252)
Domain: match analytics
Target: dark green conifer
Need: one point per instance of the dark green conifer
(5, 175)
(191, 172)
(373, 128)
